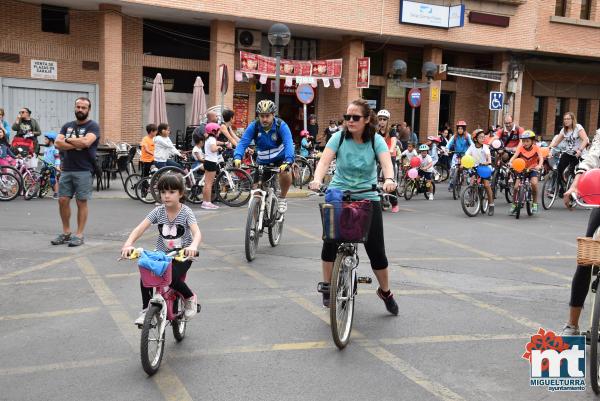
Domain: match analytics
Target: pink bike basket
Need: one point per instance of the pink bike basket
(151, 280)
(346, 221)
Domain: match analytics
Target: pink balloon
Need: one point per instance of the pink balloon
(413, 173)
(496, 144)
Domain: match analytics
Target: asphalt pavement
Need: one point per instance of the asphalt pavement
(471, 292)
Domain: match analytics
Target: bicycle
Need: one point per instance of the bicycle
(302, 170)
(263, 211)
(10, 185)
(29, 176)
(457, 177)
(473, 198)
(523, 195)
(346, 223)
(588, 254)
(45, 177)
(550, 188)
(166, 307)
(417, 185)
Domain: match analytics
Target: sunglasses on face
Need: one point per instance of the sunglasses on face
(353, 117)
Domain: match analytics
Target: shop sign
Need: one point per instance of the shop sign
(44, 69)
(364, 72)
(168, 83)
(412, 12)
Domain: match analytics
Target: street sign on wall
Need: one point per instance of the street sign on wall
(496, 100)
(414, 98)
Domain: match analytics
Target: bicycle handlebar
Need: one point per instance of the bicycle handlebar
(179, 256)
(584, 205)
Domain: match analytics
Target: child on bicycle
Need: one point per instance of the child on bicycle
(211, 163)
(7, 157)
(483, 157)
(52, 161)
(532, 155)
(426, 168)
(198, 153)
(177, 229)
(409, 153)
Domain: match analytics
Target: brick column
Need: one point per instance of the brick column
(571, 106)
(430, 108)
(111, 72)
(349, 92)
(593, 116)
(222, 51)
(501, 63)
(549, 115)
(395, 106)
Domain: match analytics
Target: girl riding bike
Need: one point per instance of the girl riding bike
(481, 153)
(357, 149)
(177, 229)
(532, 155)
(426, 168)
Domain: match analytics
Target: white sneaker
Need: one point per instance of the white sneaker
(140, 320)
(569, 330)
(430, 196)
(282, 206)
(189, 307)
(209, 206)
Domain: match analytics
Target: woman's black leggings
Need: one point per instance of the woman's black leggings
(179, 269)
(582, 277)
(374, 246)
(566, 160)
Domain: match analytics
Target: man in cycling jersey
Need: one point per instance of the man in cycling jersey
(459, 143)
(509, 134)
(274, 145)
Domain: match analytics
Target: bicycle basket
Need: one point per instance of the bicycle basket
(588, 251)
(151, 280)
(346, 221)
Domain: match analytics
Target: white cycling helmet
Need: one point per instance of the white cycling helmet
(423, 148)
(384, 113)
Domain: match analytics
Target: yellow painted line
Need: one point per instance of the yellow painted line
(167, 381)
(56, 313)
(437, 258)
(241, 299)
(543, 257)
(40, 281)
(450, 338)
(303, 233)
(542, 270)
(244, 349)
(92, 363)
(531, 233)
(473, 301)
(469, 248)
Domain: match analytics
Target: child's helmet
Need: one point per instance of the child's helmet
(423, 148)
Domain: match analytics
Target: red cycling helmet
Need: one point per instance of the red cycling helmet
(461, 123)
(434, 139)
(304, 133)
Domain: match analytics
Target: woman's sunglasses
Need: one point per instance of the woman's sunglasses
(353, 117)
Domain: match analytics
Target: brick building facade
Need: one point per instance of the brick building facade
(548, 56)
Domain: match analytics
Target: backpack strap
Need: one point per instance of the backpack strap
(277, 127)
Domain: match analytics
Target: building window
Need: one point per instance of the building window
(582, 111)
(176, 40)
(538, 115)
(297, 49)
(561, 109)
(377, 57)
(55, 19)
(585, 9)
(560, 8)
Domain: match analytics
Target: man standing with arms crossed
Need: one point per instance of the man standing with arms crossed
(77, 142)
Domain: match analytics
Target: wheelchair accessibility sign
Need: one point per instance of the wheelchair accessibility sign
(496, 100)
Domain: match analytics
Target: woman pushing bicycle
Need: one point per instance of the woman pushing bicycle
(177, 229)
(357, 149)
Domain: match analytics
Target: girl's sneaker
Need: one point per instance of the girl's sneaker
(140, 320)
(209, 206)
(190, 307)
(395, 209)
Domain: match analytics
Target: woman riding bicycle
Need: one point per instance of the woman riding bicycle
(356, 150)
(391, 139)
(576, 141)
(582, 276)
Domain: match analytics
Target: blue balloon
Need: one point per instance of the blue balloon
(484, 172)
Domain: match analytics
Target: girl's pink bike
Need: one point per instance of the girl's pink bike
(166, 307)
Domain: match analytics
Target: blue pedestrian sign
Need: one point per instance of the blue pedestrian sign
(496, 100)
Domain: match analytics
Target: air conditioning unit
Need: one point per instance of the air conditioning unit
(248, 39)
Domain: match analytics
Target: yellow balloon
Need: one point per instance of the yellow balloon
(467, 161)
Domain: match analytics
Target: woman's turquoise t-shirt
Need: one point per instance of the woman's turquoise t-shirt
(355, 165)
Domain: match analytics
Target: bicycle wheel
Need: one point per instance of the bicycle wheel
(508, 188)
(494, 182)
(341, 306)
(483, 200)
(31, 185)
(10, 187)
(519, 202)
(156, 176)
(549, 191)
(409, 189)
(456, 188)
(194, 195)
(236, 192)
(152, 345)
(469, 200)
(276, 226)
(528, 202)
(179, 323)
(142, 191)
(251, 240)
(130, 184)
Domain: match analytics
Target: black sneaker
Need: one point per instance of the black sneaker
(75, 241)
(61, 239)
(323, 288)
(490, 210)
(390, 302)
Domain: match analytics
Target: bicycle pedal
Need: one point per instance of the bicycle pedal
(198, 308)
(323, 287)
(365, 280)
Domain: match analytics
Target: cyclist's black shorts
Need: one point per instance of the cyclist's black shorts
(210, 166)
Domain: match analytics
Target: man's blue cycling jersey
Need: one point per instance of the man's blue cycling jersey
(267, 148)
